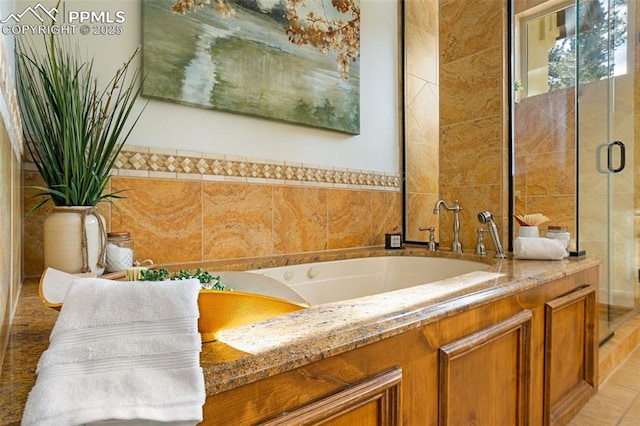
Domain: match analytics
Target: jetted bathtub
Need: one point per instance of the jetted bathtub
(325, 282)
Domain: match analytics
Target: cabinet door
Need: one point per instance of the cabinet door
(484, 377)
(570, 354)
(373, 402)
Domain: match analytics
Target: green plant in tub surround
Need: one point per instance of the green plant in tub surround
(207, 280)
(74, 129)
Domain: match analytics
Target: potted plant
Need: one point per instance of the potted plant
(74, 130)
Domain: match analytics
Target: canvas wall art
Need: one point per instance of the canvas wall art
(284, 60)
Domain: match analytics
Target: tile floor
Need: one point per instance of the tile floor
(617, 403)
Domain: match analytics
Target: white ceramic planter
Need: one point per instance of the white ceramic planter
(63, 240)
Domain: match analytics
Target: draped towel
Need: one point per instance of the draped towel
(121, 353)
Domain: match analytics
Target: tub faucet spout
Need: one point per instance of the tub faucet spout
(487, 217)
(456, 247)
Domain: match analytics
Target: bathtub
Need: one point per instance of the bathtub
(326, 282)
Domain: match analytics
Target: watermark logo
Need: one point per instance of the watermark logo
(40, 12)
(38, 19)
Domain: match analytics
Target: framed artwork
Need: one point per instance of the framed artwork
(284, 60)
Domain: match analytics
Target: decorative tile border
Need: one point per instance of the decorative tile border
(163, 163)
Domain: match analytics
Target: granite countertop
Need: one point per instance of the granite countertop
(253, 352)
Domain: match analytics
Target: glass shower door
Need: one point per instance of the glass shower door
(573, 125)
(605, 143)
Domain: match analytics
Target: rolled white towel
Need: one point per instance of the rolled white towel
(538, 249)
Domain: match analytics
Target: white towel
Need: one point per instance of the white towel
(99, 302)
(121, 353)
(538, 249)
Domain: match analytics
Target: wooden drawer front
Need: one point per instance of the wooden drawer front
(375, 401)
(484, 377)
(570, 351)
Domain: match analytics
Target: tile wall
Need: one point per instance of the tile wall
(636, 157)
(10, 233)
(10, 201)
(5, 243)
(473, 115)
(545, 157)
(422, 112)
(188, 206)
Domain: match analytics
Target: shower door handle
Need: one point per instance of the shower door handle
(610, 148)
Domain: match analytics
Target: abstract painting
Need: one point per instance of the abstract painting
(284, 60)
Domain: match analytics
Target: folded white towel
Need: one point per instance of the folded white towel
(92, 302)
(121, 353)
(538, 249)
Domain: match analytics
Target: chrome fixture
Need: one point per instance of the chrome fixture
(481, 249)
(487, 217)
(431, 245)
(456, 247)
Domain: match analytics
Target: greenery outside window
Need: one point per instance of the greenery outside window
(549, 45)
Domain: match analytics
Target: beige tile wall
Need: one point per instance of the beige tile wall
(178, 215)
(545, 157)
(422, 112)
(473, 115)
(636, 157)
(10, 233)
(10, 197)
(5, 241)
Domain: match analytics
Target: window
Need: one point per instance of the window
(551, 50)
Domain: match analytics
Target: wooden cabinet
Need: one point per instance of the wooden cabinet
(483, 368)
(526, 359)
(570, 354)
(375, 401)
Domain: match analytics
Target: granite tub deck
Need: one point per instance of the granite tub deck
(247, 354)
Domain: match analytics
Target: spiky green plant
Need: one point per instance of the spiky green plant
(74, 129)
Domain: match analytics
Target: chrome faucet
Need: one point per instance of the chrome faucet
(456, 247)
(487, 217)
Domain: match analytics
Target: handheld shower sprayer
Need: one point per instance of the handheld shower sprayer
(487, 217)
(484, 217)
